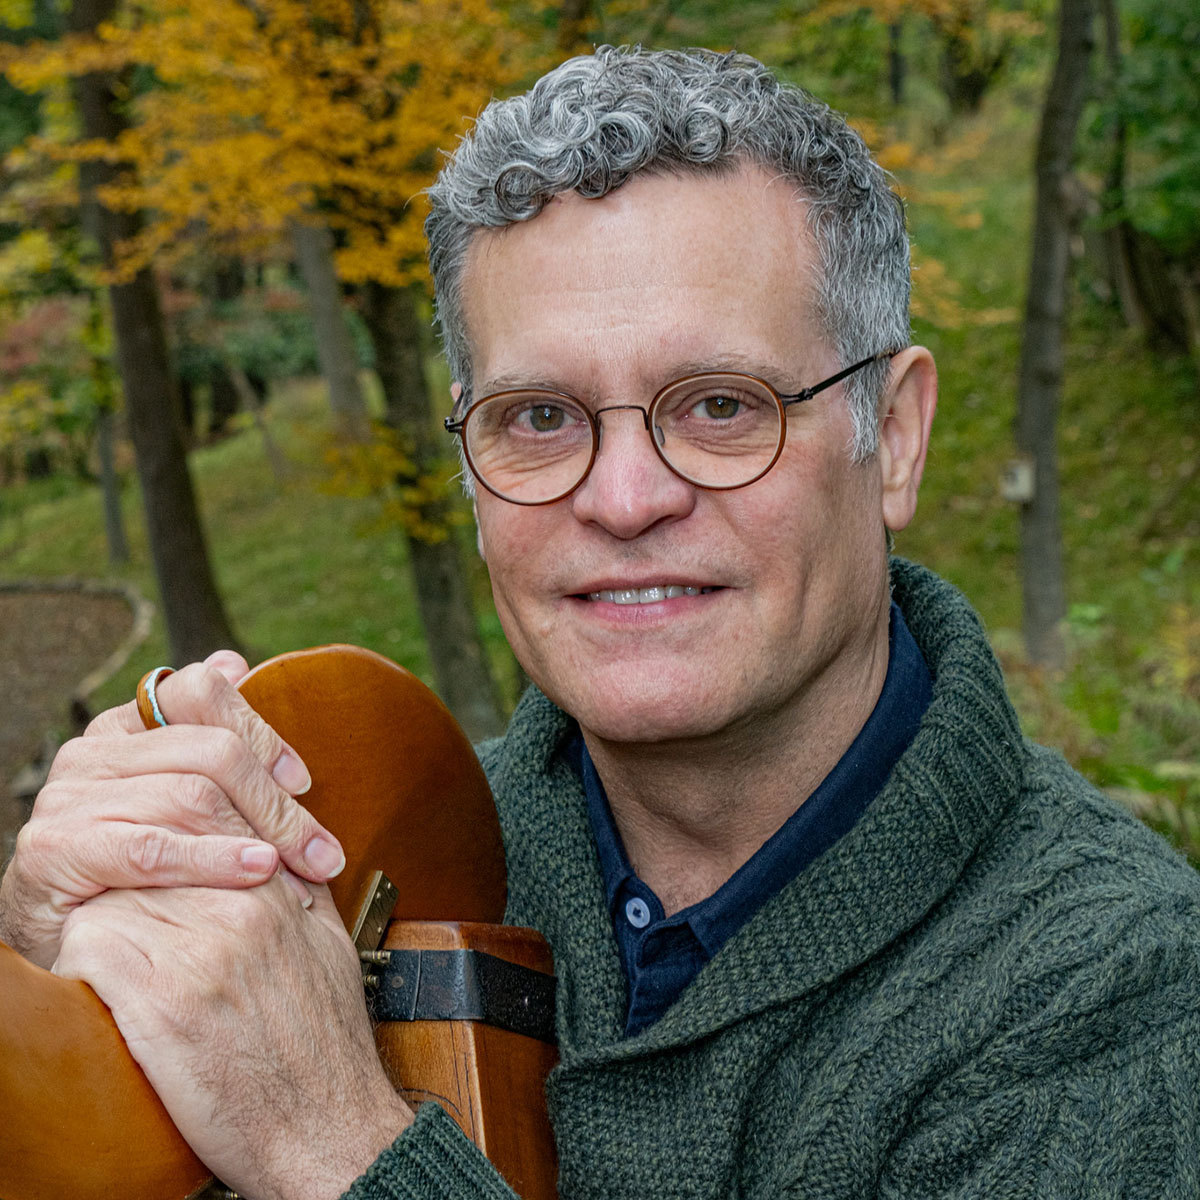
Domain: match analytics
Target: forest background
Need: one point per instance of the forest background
(218, 381)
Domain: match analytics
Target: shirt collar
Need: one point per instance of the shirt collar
(829, 813)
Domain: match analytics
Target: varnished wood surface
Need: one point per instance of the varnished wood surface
(77, 1117)
(491, 1081)
(394, 778)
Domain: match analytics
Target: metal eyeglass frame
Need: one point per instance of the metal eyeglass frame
(783, 401)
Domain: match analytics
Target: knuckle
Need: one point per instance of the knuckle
(283, 815)
(228, 662)
(25, 847)
(210, 686)
(76, 922)
(207, 804)
(148, 851)
(54, 796)
(240, 909)
(266, 742)
(73, 757)
(196, 689)
(224, 752)
(41, 839)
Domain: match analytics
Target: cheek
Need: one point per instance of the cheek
(823, 524)
(510, 545)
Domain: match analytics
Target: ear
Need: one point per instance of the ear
(456, 391)
(907, 418)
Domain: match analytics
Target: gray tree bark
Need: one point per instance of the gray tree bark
(335, 347)
(195, 617)
(460, 668)
(104, 395)
(1041, 370)
(114, 524)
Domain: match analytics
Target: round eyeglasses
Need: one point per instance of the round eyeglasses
(718, 430)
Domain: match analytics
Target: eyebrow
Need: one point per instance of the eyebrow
(741, 364)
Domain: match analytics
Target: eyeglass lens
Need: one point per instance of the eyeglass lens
(717, 431)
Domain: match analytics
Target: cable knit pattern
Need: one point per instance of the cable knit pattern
(989, 988)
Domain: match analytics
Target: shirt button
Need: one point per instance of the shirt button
(638, 913)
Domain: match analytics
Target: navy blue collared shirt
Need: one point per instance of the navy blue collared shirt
(662, 955)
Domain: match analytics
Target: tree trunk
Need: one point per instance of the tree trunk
(460, 668)
(1040, 385)
(252, 402)
(968, 68)
(1141, 273)
(104, 397)
(114, 524)
(226, 282)
(335, 346)
(195, 618)
(573, 17)
(222, 400)
(896, 63)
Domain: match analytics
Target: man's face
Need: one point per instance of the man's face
(609, 300)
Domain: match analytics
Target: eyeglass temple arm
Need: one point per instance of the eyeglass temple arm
(809, 393)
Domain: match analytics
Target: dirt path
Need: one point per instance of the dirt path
(51, 641)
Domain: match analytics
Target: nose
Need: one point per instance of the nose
(629, 489)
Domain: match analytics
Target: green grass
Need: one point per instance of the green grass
(298, 566)
(1127, 711)
(295, 565)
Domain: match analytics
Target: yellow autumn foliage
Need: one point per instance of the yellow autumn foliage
(420, 502)
(30, 253)
(16, 14)
(262, 113)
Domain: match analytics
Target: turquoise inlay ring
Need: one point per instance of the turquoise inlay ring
(147, 697)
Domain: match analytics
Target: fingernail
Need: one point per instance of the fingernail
(291, 774)
(325, 857)
(297, 886)
(258, 859)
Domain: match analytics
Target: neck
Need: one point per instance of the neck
(691, 812)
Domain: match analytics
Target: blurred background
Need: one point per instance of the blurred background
(220, 397)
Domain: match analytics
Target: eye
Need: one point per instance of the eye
(539, 417)
(717, 408)
(545, 418)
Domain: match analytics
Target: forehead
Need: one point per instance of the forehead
(663, 276)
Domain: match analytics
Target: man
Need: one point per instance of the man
(824, 924)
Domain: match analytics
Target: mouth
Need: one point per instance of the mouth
(654, 594)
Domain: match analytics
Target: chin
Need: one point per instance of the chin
(621, 717)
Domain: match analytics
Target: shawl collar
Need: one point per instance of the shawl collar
(945, 795)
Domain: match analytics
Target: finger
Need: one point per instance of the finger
(231, 664)
(149, 792)
(203, 694)
(124, 718)
(99, 949)
(218, 740)
(119, 855)
(324, 909)
(297, 886)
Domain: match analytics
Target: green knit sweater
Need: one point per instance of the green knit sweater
(989, 988)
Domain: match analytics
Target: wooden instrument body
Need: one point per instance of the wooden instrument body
(491, 1081)
(396, 780)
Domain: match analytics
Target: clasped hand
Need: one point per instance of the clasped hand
(167, 869)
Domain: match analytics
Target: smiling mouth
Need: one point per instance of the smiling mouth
(649, 595)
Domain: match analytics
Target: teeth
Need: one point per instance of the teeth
(648, 595)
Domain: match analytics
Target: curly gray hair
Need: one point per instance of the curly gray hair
(595, 121)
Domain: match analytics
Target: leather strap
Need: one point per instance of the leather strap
(461, 985)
